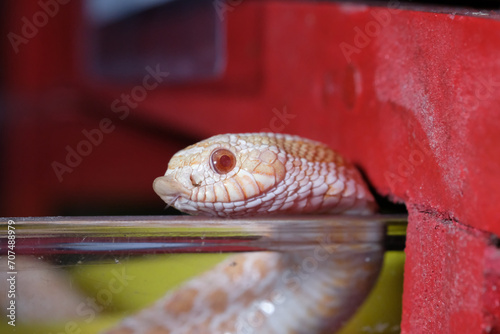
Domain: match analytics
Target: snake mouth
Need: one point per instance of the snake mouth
(169, 189)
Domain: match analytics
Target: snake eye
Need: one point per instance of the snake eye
(222, 161)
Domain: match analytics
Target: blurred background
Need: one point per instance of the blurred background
(98, 95)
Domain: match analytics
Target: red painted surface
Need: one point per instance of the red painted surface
(451, 277)
(412, 97)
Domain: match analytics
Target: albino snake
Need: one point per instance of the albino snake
(236, 175)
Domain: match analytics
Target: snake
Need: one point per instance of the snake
(264, 174)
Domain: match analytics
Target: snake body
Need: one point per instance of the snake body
(241, 175)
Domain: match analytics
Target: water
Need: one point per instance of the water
(81, 274)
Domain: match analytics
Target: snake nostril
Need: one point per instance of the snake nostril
(194, 182)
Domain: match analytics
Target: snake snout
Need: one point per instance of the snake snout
(168, 187)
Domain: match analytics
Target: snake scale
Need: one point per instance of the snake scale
(241, 175)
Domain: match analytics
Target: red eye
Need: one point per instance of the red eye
(223, 161)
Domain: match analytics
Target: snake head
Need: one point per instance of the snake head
(262, 173)
(225, 175)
